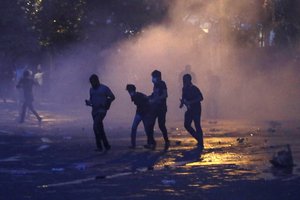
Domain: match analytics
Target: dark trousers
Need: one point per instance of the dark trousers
(28, 104)
(189, 117)
(146, 119)
(160, 115)
(99, 131)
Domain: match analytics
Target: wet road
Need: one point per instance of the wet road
(57, 161)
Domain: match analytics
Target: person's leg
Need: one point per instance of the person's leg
(20, 96)
(188, 118)
(102, 132)
(162, 124)
(96, 129)
(30, 106)
(136, 121)
(199, 132)
(149, 123)
(23, 112)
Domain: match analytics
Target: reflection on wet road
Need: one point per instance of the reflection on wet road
(51, 158)
(247, 148)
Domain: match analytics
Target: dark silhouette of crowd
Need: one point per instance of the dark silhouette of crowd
(149, 109)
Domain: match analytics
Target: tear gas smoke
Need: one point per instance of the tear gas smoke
(234, 80)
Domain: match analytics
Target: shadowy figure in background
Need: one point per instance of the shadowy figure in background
(18, 75)
(213, 95)
(100, 100)
(158, 102)
(142, 114)
(187, 70)
(191, 98)
(26, 83)
(39, 77)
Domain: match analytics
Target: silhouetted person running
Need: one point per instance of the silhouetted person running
(100, 100)
(158, 101)
(142, 114)
(191, 98)
(19, 73)
(26, 83)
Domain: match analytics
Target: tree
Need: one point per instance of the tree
(17, 38)
(284, 19)
(57, 23)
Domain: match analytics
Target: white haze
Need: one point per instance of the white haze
(248, 89)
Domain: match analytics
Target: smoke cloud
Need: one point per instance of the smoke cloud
(236, 82)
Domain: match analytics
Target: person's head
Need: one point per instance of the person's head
(188, 67)
(187, 80)
(94, 80)
(27, 73)
(156, 76)
(131, 89)
(39, 68)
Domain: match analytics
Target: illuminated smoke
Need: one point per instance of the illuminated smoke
(193, 34)
(236, 82)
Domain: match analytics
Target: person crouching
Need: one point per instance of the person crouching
(142, 114)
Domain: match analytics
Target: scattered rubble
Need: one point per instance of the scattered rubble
(46, 140)
(43, 147)
(168, 182)
(283, 158)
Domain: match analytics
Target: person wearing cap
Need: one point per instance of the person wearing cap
(158, 101)
(191, 98)
(142, 115)
(26, 83)
(100, 100)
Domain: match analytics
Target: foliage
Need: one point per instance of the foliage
(29, 26)
(16, 38)
(56, 22)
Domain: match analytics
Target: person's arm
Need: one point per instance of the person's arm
(110, 95)
(164, 94)
(154, 98)
(186, 103)
(88, 102)
(110, 98)
(38, 78)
